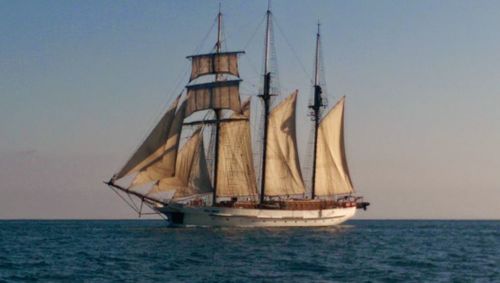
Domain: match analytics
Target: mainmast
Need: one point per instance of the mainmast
(217, 111)
(266, 97)
(316, 109)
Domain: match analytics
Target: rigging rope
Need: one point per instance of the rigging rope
(116, 192)
(293, 50)
(250, 40)
(178, 82)
(132, 201)
(137, 209)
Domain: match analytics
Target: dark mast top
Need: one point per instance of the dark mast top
(217, 111)
(316, 110)
(266, 98)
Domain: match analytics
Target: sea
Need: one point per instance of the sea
(148, 251)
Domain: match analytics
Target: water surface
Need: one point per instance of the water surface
(147, 251)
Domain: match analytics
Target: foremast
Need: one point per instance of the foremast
(217, 112)
(155, 161)
(222, 91)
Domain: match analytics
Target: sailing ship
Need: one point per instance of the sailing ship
(237, 188)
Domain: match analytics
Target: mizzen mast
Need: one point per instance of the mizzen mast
(316, 106)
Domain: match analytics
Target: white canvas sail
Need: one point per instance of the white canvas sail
(199, 178)
(153, 146)
(236, 175)
(332, 172)
(283, 176)
(214, 95)
(214, 63)
(181, 186)
(191, 174)
(164, 165)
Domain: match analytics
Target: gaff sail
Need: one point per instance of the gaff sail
(283, 175)
(332, 172)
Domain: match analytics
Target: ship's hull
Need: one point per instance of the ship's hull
(251, 217)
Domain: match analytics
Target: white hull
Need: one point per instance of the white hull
(178, 215)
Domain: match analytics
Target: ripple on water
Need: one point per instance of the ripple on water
(147, 251)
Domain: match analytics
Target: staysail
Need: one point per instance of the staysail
(191, 174)
(156, 145)
(164, 166)
(283, 176)
(332, 172)
(236, 174)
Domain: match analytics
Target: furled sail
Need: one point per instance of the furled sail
(236, 174)
(283, 176)
(214, 95)
(164, 165)
(191, 174)
(214, 63)
(332, 173)
(153, 147)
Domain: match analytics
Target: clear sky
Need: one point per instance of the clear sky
(81, 82)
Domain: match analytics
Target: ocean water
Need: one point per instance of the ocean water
(147, 251)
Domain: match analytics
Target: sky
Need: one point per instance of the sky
(81, 83)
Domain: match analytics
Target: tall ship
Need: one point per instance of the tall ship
(206, 164)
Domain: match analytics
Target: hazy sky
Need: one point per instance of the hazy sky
(81, 82)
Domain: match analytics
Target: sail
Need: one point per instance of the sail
(283, 176)
(214, 95)
(164, 165)
(153, 146)
(199, 178)
(236, 174)
(214, 63)
(332, 173)
(191, 174)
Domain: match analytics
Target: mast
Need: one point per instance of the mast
(219, 33)
(153, 159)
(316, 108)
(217, 111)
(266, 97)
